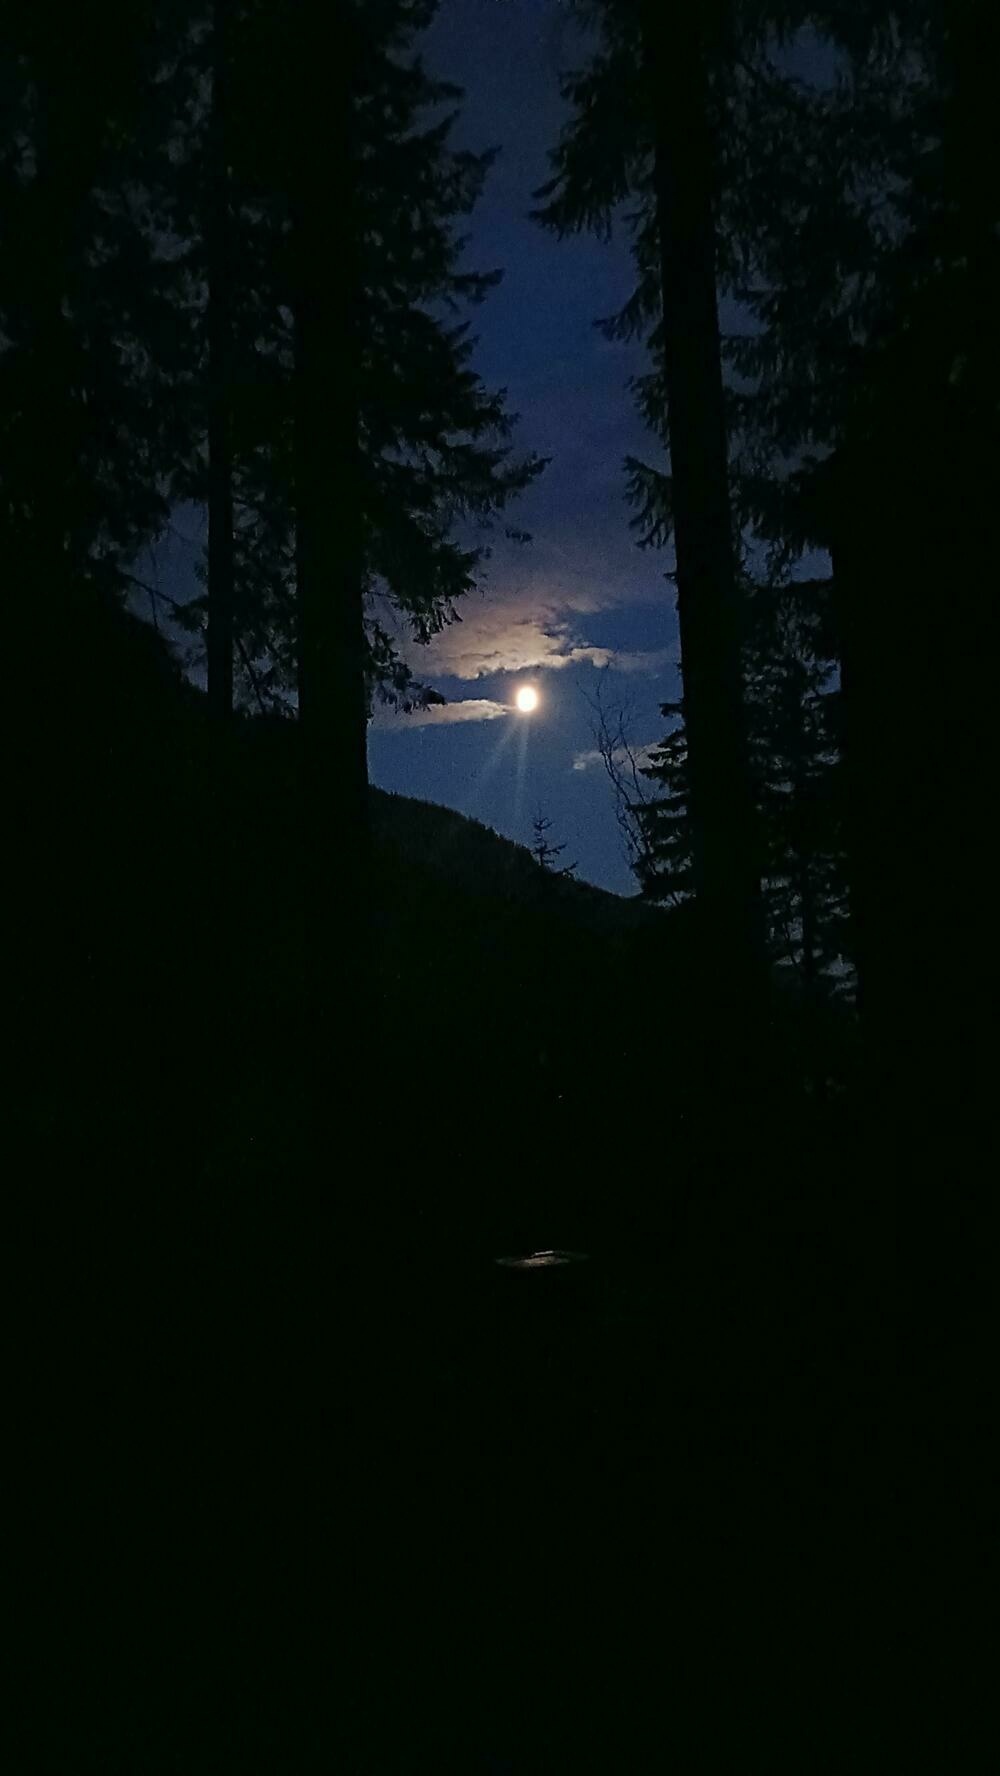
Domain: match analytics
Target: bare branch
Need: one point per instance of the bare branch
(156, 595)
(153, 592)
(252, 676)
(620, 758)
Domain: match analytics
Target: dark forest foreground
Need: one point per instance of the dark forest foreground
(305, 1477)
(302, 1478)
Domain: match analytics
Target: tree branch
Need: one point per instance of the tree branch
(155, 593)
(618, 756)
(252, 675)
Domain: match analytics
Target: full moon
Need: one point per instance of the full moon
(527, 699)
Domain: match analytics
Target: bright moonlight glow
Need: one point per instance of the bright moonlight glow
(527, 699)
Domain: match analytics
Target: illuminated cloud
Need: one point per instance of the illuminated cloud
(652, 661)
(499, 641)
(535, 610)
(527, 631)
(442, 715)
(638, 756)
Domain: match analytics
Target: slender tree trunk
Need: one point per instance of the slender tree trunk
(807, 909)
(329, 566)
(331, 668)
(334, 1356)
(725, 864)
(221, 556)
(913, 541)
(331, 665)
(64, 161)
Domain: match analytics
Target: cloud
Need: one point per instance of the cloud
(539, 612)
(499, 639)
(586, 761)
(651, 661)
(443, 715)
(531, 629)
(637, 755)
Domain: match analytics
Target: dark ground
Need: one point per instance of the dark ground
(576, 1520)
(451, 1516)
(302, 1478)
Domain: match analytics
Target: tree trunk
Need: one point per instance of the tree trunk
(722, 813)
(66, 147)
(808, 912)
(328, 1216)
(913, 546)
(221, 560)
(331, 665)
(329, 555)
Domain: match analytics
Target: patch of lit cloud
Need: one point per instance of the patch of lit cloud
(442, 715)
(529, 631)
(545, 609)
(627, 757)
(495, 639)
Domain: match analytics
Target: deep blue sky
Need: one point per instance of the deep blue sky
(581, 584)
(581, 605)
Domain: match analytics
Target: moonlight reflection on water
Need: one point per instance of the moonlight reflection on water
(542, 1260)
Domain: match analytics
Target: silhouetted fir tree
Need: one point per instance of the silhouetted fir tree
(793, 709)
(219, 233)
(771, 153)
(89, 429)
(220, 238)
(870, 398)
(224, 206)
(910, 526)
(332, 425)
(663, 861)
(862, 239)
(865, 262)
(608, 158)
(644, 127)
(86, 419)
(544, 852)
(794, 704)
(325, 221)
(434, 460)
(364, 450)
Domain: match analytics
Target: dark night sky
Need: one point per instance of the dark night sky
(581, 602)
(581, 592)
